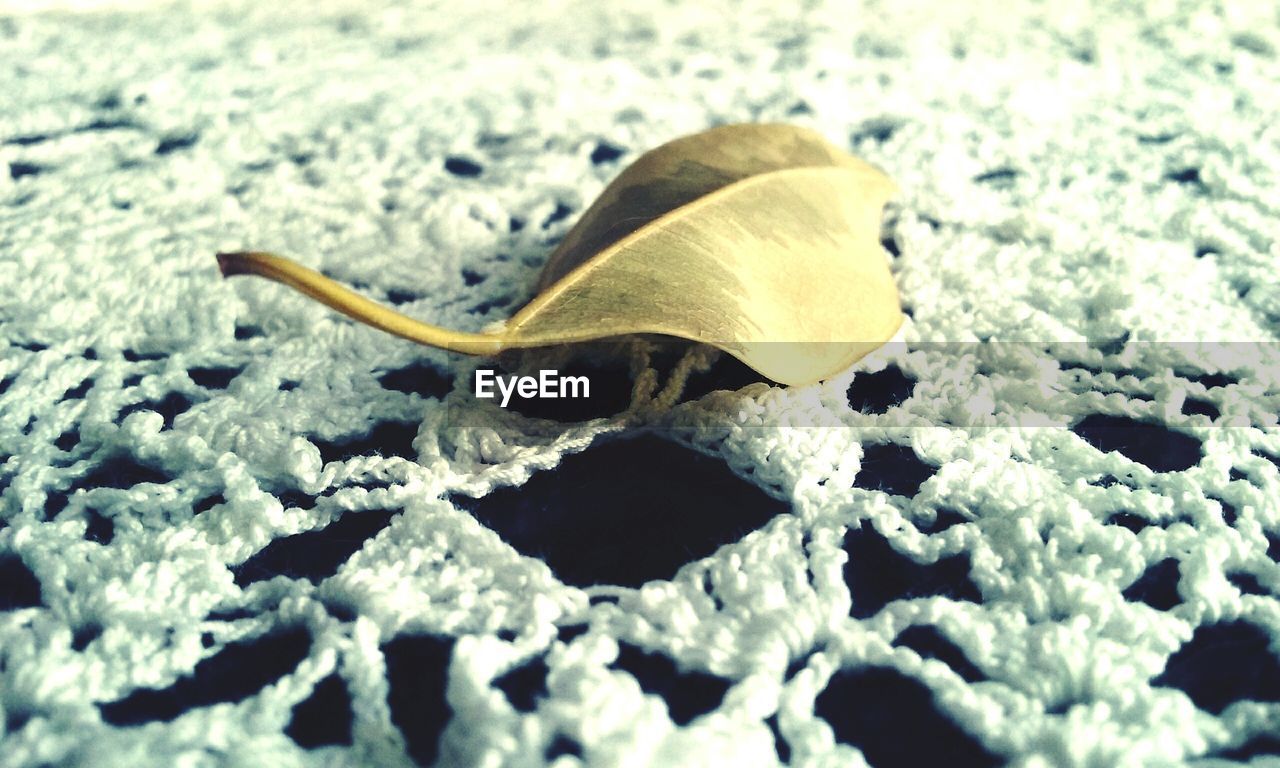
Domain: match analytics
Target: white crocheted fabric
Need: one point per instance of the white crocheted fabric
(239, 529)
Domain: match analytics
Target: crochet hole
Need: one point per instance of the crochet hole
(561, 212)
(1157, 586)
(650, 530)
(461, 166)
(687, 694)
(15, 720)
(120, 471)
(67, 440)
(1129, 520)
(418, 379)
(894, 720)
(880, 391)
(169, 408)
(177, 141)
(296, 500)
(1193, 406)
(799, 108)
(19, 169)
(98, 528)
(388, 438)
(879, 129)
(486, 306)
(562, 745)
(217, 377)
(1186, 176)
(78, 391)
(417, 674)
(84, 635)
(246, 332)
(1224, 663)
(233, 674)
(19, 587)
(339, 610)
(109, 100)
(471, 277)
(133, 356)
(207, 503)
(26, 140)
(567, 634)
(930, 643)
(525, 684)
(396, 296)
(55, 502)
(1247, 583)
(605, 153)
(892, 468)
(314, 555)
(877, 574)
(230, 614)
(1000, 178)
(324, 717)
(1158, 448)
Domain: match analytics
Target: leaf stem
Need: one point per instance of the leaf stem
(353, 305)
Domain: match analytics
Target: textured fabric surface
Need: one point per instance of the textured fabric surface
(237, 529)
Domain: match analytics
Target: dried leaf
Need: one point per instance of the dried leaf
(761, 240)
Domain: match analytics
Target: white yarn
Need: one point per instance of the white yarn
(1142, 151)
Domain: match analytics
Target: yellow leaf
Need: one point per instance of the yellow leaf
(761, 240)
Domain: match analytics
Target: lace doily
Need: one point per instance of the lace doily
(1040, 528)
